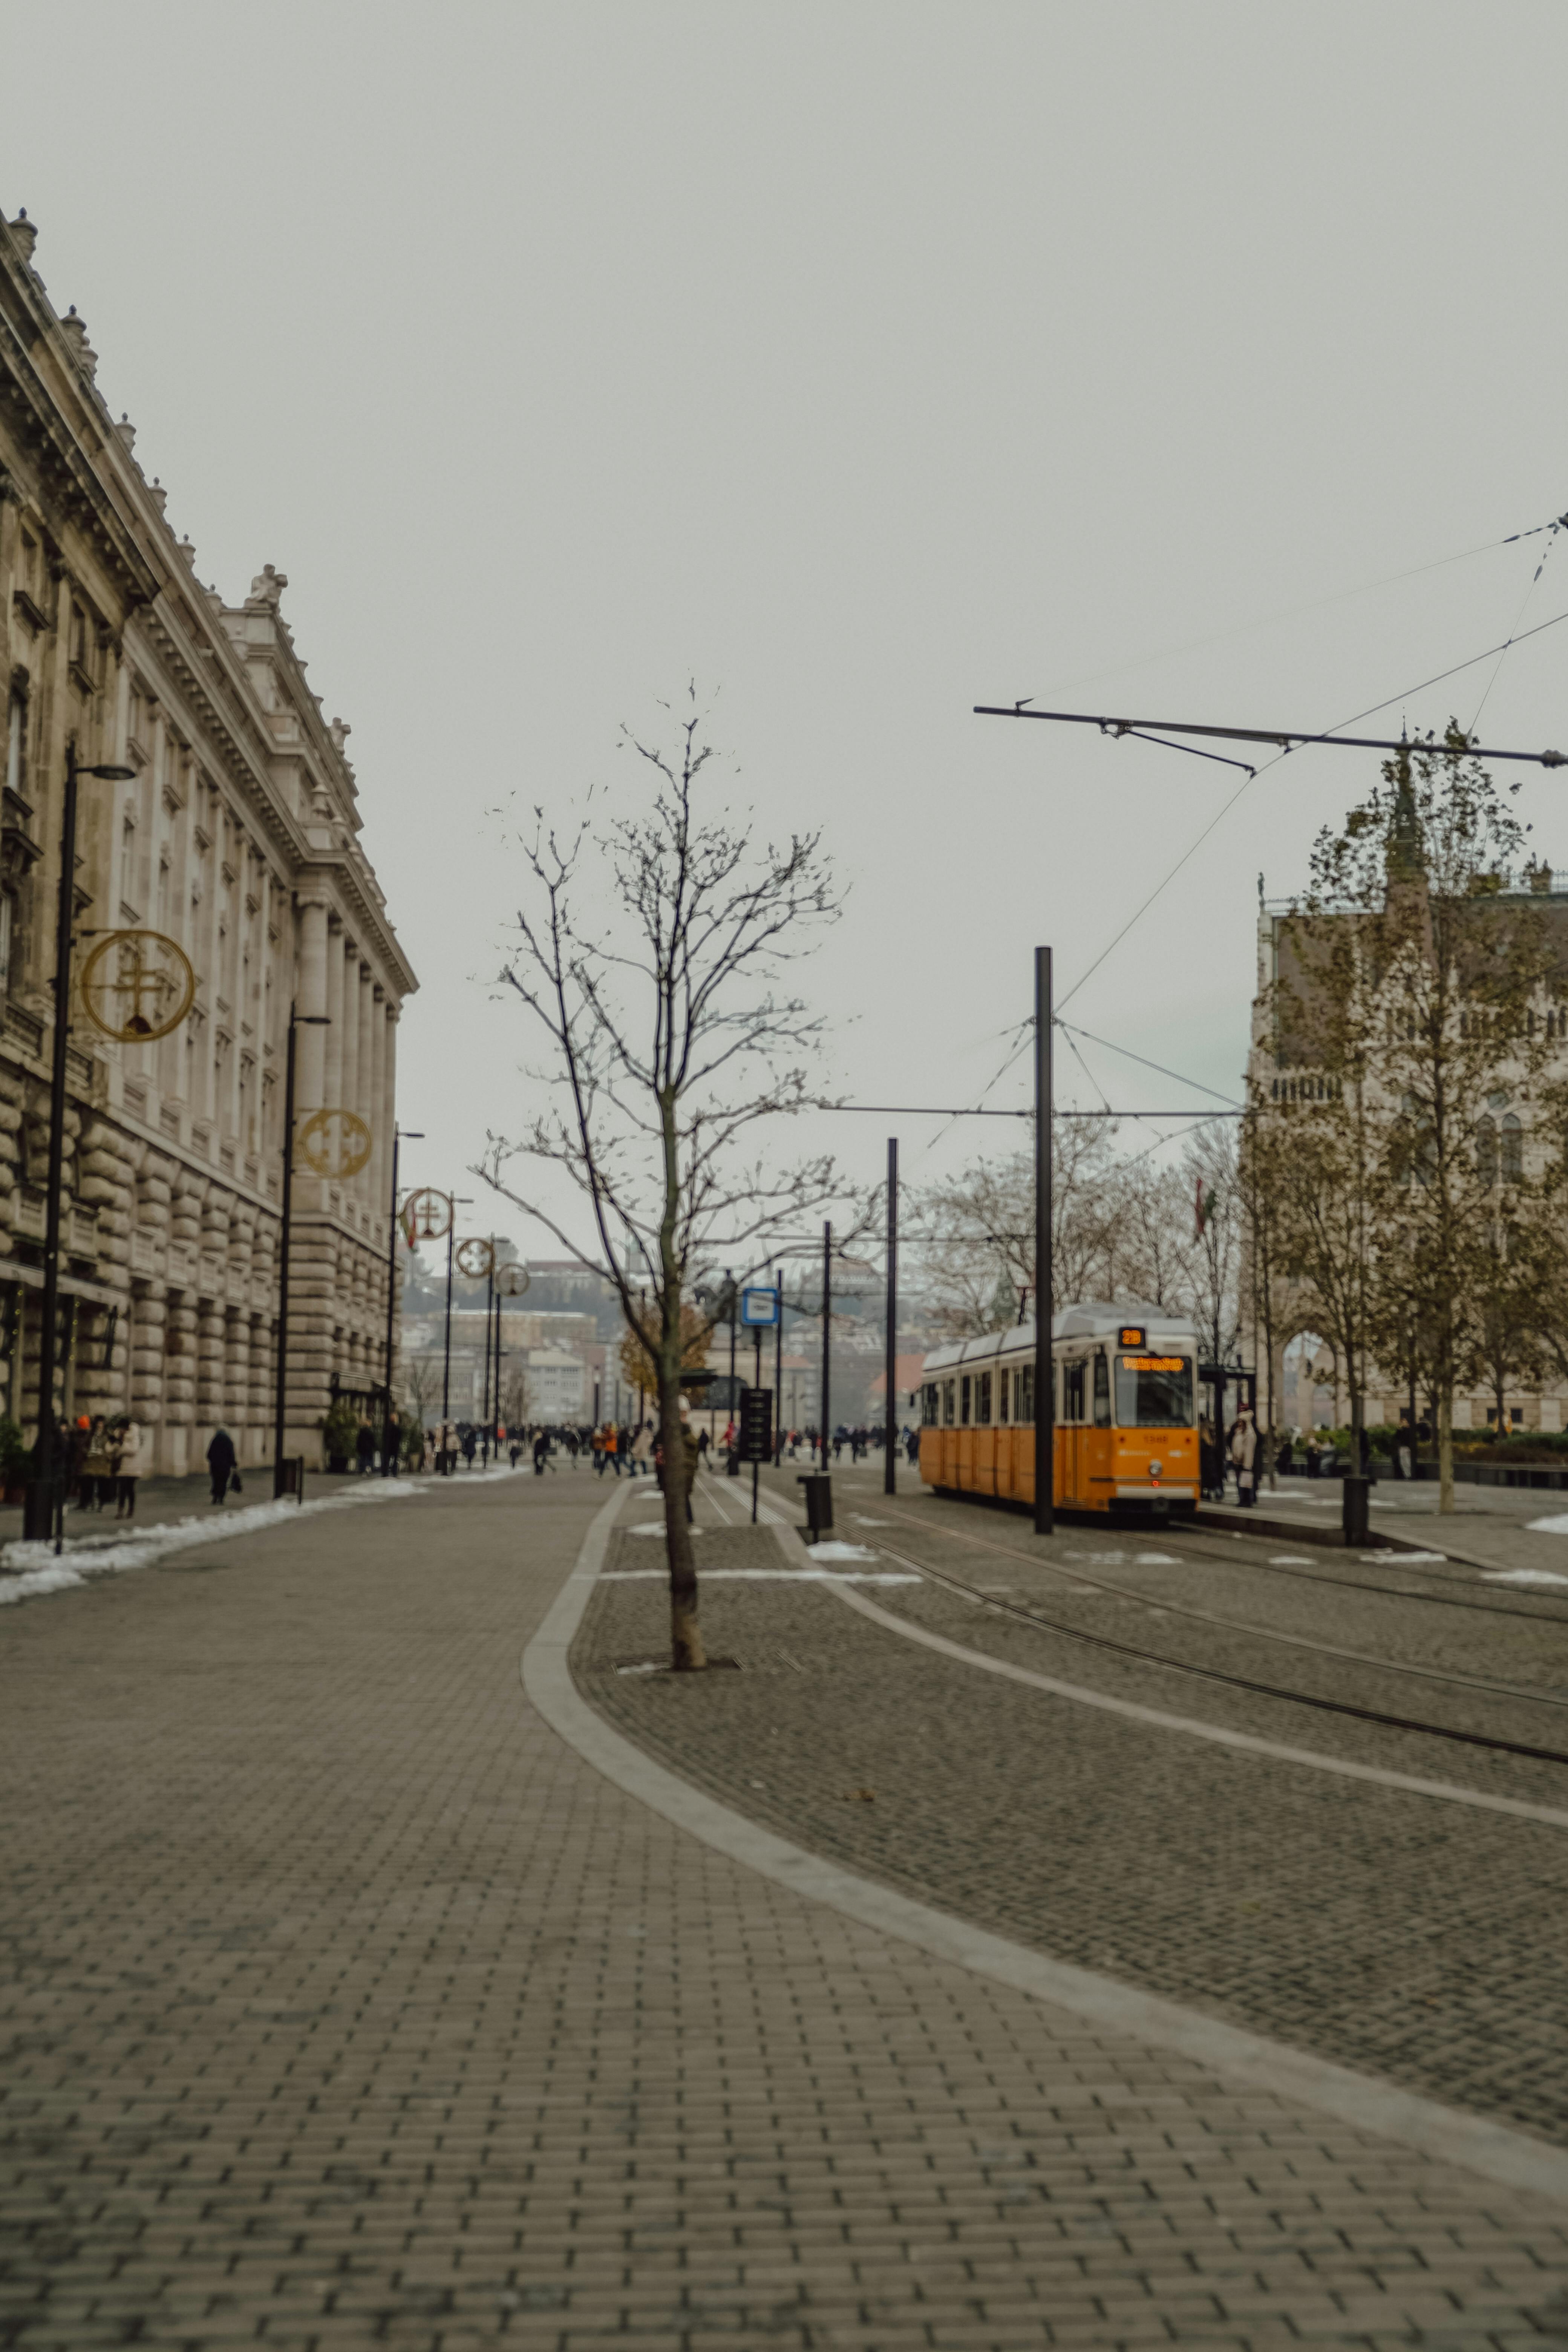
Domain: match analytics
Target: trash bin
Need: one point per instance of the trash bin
(818, 1487)
(1356, 1518)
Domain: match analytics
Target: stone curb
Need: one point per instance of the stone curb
(1445, 2134)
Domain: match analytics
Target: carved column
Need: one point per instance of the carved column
(334, 1033)
(309, 1043)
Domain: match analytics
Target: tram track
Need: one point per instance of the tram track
(1388, 1592)
(1249, 1685)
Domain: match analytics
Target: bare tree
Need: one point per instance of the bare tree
(1210, 1166)
(974, 1235)
(650, 956)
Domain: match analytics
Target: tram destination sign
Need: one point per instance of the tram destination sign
(756, 1425)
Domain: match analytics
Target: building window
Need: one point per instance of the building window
(1026, 1379)
(947, 1403)
(1512, 1150)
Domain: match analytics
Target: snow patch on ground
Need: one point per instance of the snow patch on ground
(1153, 1559)
(1555, 1526)
(29, 1569)
(835, 1550)
(1524, 1576)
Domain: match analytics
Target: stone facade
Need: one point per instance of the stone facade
(237, 839)
(1275, 1073)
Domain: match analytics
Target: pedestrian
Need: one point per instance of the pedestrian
(365, 1449)
(541, 1450)
(75, 1468)
(127, 1462)
(99, 1476)
(222, 1463)
(613, 1446)
(702, 1446)
(1285, 1460)
(912, 1445)
(1243, 1455)
(642, 1446)
(470, 1445)
(1314, 1453)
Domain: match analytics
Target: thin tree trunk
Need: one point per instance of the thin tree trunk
(687, 1655)
(1446, 1446)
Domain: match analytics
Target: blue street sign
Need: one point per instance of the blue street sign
(759, 1309)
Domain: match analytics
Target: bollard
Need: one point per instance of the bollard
(818, 1504)
(1355, 1513)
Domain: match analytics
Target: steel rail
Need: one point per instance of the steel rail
(1231, 1681)
(1387, 1591)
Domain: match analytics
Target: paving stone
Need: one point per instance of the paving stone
(331, 2029)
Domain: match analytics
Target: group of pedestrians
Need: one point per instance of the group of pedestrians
(106, 1461)
(618, 1446)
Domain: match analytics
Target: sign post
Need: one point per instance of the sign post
(761, 1310)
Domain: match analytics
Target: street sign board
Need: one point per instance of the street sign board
(756, 1425)
(759, 1309)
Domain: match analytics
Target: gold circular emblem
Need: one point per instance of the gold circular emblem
(137, 985)
(427, 1217)
(511, 1280)
(475, 1258)
(335, 1143)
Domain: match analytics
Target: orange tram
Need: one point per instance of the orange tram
(1126, 1420)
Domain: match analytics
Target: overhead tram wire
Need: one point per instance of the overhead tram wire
(945, 1110)
(1288, 743)
(1317, 604)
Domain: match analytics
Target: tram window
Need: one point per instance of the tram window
(982, 1399)
(1004, 1381)
(947, 1403)
(1072, 1391)
(964, 1387)
(1023, 1395)
(1154, 1392)
(1102, 1391)
(930, 1414)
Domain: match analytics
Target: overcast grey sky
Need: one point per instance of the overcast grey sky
(864, 362)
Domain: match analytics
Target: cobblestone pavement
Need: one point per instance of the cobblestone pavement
(1420, 1941)
(346, 2005)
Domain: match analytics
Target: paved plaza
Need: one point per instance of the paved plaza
(350, 2000)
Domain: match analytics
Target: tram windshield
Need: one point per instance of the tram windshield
(1154, 1392)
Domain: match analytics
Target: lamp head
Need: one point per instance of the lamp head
(110, 774)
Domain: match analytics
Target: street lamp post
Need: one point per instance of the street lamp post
(280, 1400)
(46, 1500)
(388, 1462)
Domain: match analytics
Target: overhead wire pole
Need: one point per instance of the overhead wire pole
(890, 1465)
(1045, 1370)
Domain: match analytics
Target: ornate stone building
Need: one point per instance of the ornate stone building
(238, 840)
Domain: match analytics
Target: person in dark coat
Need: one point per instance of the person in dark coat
(222, 1462)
